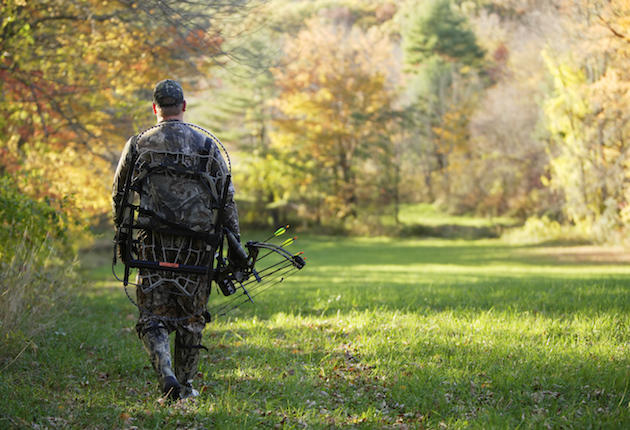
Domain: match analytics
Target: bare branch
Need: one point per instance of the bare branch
(612, 30)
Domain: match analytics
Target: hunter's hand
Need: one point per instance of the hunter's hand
(237, 256)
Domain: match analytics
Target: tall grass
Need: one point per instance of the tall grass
(34, 288)
(35, 273)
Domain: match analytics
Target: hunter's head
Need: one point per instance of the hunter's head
(168, 100)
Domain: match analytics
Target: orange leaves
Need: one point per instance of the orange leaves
(200, 39)
(453, 132)
(70, 79)
(333, 96)
(329, 76)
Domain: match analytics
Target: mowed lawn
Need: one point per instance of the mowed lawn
(372, 333)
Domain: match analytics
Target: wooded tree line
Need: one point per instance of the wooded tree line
(76, 79)
(337, 111)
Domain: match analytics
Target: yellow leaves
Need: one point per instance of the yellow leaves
(69, 78)
(568, 101)
(283, 140)
(76, 176)
(325, 95)
(331, 90)
(587, 116)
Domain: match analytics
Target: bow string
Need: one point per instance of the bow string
(268, 265)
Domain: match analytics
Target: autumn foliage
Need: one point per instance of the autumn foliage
(336, 112)
(76, 79)
(333, 106)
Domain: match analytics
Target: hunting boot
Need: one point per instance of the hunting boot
(155, 340)
(187, 346)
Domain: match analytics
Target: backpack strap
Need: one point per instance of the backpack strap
(124, 204)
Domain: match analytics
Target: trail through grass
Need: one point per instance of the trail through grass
(373, 333)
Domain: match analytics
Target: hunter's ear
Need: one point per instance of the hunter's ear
(154, 109)
(184, 106)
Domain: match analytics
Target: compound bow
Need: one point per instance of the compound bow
(249, 276)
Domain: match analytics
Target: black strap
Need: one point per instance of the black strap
(153, 325)
(165, 166)
(181, 345)
(193, 347)
(179, 229)
(123, 203)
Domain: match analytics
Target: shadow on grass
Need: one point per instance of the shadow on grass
(425, 276)
(323, 374)
(452, 231)
(552, 295)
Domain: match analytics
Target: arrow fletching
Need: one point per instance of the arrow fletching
(288, 241)
(278, 232)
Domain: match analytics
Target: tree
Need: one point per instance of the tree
(333, 100)
(588, 120)
(437, 29)
(444, 59)
(507, 155)
(75, 77)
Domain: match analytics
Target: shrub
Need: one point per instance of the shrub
(23, 218)
(34, 274)
(544, 230)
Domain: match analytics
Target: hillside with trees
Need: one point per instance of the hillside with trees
(338, 111)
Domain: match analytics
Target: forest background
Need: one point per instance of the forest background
(337, 114)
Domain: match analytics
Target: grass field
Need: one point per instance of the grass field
(429, 215)
(427, 220)
(373, 333)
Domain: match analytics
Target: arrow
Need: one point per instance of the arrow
(288, 241)
(285, 243)
(277, 233)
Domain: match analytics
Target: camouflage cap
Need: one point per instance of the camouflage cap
(168, 93)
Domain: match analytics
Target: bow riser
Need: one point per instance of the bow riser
(256, 279)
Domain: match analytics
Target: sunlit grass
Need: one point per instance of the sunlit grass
(428, 220)
(429, 214)
(374, 333)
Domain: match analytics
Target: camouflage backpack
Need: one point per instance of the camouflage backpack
(177, 183)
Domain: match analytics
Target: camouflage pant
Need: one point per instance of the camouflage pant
(172, 302)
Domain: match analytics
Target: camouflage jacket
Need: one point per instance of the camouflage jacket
(177, 198)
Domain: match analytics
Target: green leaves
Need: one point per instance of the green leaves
(437, 29)
(24, 219)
